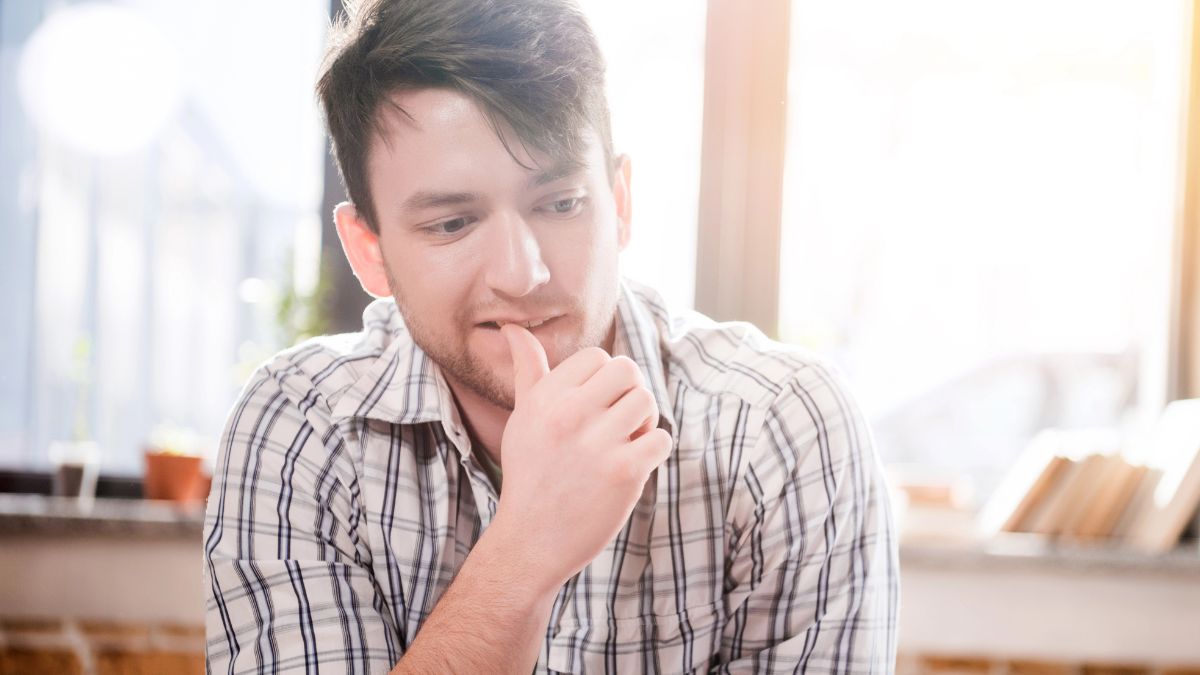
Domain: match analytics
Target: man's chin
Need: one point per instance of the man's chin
(491, 387)
(483, 369)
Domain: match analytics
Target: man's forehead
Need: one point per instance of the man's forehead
(433, 145)
(417, 108)
(452, 115)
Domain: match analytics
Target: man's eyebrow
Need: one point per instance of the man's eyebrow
(428, 199)
(561, 169)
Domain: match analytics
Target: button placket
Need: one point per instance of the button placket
(481, 490)
(481, 487)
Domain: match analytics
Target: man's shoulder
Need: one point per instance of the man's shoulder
(796, 399)
(735, 358)
(326, 366)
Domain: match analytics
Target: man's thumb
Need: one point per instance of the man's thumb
(529, 359)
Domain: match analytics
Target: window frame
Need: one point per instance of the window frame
(742, 172)
(742, 161)
(1183, 360)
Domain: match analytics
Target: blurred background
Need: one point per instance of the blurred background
(986, 214)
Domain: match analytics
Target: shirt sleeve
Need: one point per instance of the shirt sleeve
(812, 577)
(286, 574)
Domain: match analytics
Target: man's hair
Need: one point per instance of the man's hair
(533, 65)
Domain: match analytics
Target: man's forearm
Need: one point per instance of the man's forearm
(492, 618)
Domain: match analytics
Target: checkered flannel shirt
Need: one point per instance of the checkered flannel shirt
(346, 496)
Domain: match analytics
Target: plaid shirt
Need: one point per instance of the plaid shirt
(346, 496)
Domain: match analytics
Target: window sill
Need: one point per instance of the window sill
(26, 514)
(1023, 552)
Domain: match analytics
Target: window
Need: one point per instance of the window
(655, 58)
(978, 211)
(161, 195)
(157, 231)
(977, 205)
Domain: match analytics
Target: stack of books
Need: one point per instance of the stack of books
(1108, 497)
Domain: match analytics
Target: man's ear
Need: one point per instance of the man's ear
(361, 246)
(624, 200)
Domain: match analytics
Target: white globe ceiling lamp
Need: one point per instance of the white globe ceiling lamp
(100, 78)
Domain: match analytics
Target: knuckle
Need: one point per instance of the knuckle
(626, 470)
(558, 424)
(659, 443)
(645, 399)
(611, 471)
(664, 439)
(561, 421)
(641, 402)
(537, 395)
(626, 368)
(571, 404)
(594, 356)
(617, 468)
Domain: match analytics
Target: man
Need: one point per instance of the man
(523, 462)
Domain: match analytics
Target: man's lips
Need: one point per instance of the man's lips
(529, 323)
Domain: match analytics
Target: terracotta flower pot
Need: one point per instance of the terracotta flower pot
(172, 476)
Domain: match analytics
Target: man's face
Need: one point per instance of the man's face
(470, 239)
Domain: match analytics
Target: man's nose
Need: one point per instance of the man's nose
(516, 267)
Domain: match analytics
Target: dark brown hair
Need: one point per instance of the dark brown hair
(531, 64)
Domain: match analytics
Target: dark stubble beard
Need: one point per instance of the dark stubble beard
(458, 363)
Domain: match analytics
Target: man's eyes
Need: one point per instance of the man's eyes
(559, 208)
(566, 206)
(453, 226)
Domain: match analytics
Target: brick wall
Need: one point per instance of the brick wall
(82, 647)
(928, 664)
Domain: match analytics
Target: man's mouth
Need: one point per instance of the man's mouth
(528, 324)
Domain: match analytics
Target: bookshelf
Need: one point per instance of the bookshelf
(1017, 596)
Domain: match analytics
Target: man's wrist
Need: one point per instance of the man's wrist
(505, 553)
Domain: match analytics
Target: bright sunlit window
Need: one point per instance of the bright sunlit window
(163, 165)
(978, 211)
(655, 58)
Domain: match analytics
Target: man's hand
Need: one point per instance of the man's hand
(576, 452)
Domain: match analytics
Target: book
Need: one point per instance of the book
(1047, 482)
(1175, 451)
(1072, 498)
(1143, 494)
(1044, 515)
(1110, 497)
(1024, 486)
(1088, 497)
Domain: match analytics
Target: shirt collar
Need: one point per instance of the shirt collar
(637, 336)
(404, 386)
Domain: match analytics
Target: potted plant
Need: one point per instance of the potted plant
(174, 467)
(76, 462)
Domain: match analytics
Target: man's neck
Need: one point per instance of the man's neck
(483, 419)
